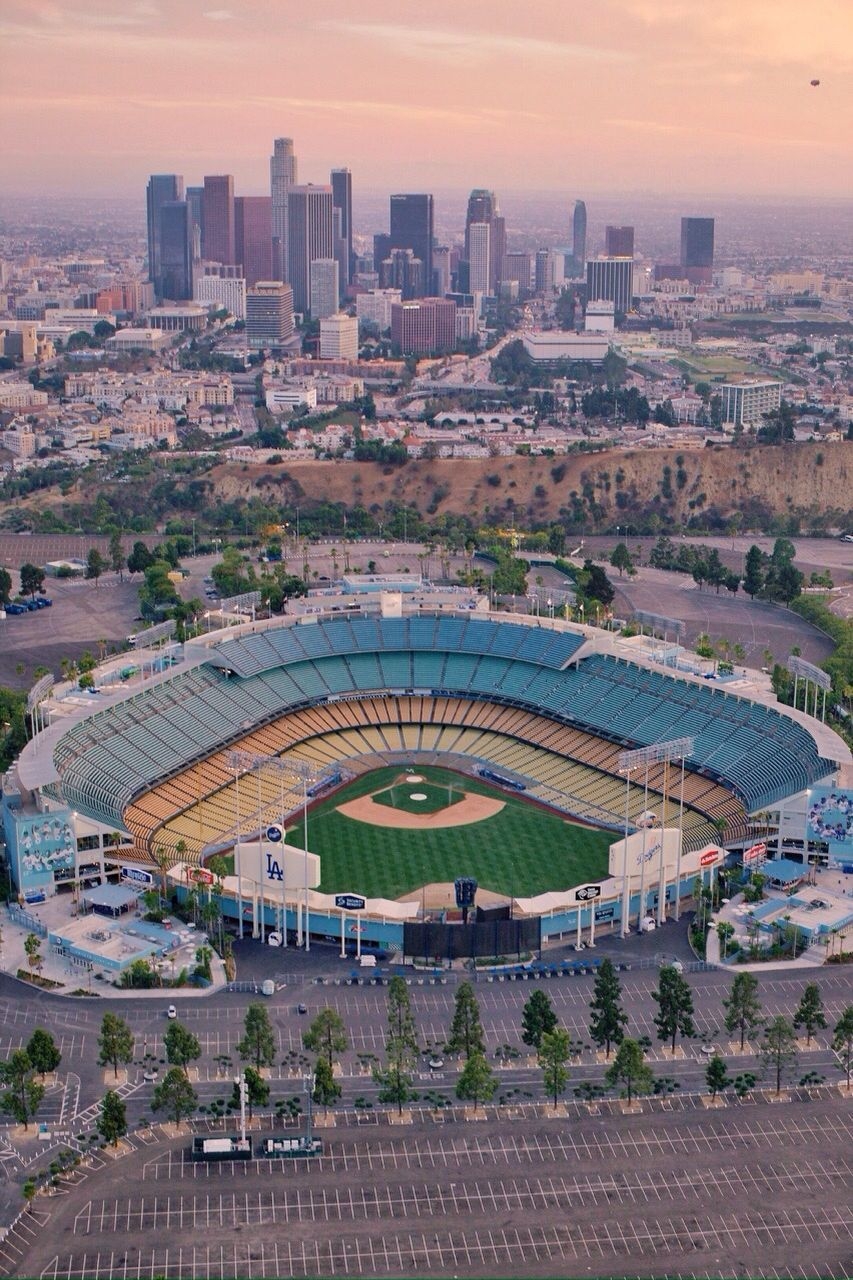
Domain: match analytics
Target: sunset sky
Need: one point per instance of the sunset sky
(587, 96)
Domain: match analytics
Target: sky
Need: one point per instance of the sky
(586, 96)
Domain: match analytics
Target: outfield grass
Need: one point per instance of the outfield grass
(521, 851)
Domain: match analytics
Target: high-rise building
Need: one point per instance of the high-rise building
(176, 251)
(325, 287)
(618, 242)
(163, 188)
(424, 326)
(375, 306)
(282, 178)
(217, 243)
(483, 208)
(412, 228)
(339, 338)
(441, 269)
(269, 314)
(697, 249)
(517, 266)
(402, 270)
(545, 268)
(195, 200)
(478, 248)
(309, 238)
(253, 237)
(217, 287)
(611, 279)
(579, 237)
(342, 200)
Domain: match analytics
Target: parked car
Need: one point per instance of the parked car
(171, 1012)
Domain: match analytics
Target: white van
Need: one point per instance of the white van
(368, 962)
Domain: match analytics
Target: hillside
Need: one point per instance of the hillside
(811, 482)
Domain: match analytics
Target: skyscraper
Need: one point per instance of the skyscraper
(162, 188)
(412, 228)
(325, 288)
(195, 200)
(253, 237)
(697, 249)
(611, 279)
(176, 251)
(402, 270)
(309, 237)
(282, 178)
(483, 208)
(579, 237)
(269, 313)
(619, 242)
(217, 244)
(428, 325)
(342, 200)
(478, 249)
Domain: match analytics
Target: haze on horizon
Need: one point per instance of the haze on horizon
(667, 96)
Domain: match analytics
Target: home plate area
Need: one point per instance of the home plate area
(412, 803)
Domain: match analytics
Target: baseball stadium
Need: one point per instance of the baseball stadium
(365, 762)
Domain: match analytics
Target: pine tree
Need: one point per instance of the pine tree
(466, 1029)
(629, 1067)
(181, 1046)
(115, 1042)
(326, 1036)
(716, 1076)
(43, 1052)
(779, 1048)
(842, 1041)
(258, 1042)
(537, 1018)
(553, 1056)
(675, 1006)
(608, 1018)
(809, 1012)
(175, 1095)
(743, 1010)
(401, 1047)
(112, 1122)
(477, 1082)
(22, 1093)
(326, 1088)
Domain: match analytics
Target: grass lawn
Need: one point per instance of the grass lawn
(521, 851)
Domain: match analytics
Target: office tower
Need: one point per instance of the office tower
(339, 338)
(253, 237)
(269, 314)
(579, 237)
(517, 266)
(611, 279)
(282, 178)
(176, 251)
(423, 326)
(375, 306)
(325, 287)
(163, 188)
(744, 404)
(441, 270)
(342, 200)
(697, 249)
(217, 242)
(544, 271)
(483, 208)
(217, 287)
(195, 200)
(412, 228)
(402, 270)
(478, 237)
(309, 238)
(618, 242)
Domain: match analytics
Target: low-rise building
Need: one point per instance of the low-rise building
(744, 404)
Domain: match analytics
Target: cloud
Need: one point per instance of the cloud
(219, 15)
(467, 48)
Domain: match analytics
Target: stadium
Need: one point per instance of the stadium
(356, 764)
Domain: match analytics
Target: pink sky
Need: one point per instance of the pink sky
(585, 96)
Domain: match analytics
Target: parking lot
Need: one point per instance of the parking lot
(757, 1190)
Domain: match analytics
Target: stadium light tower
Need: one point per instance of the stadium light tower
(658, 752)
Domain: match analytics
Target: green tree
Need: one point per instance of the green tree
(95, 564)
(621, 558)
(32, 579)
(22, 1093)
(326, 1036)
(742, 1008)
(115, 1042)
(175, 1095)
(112, 1121)
(778, 1048)
(401, 1047)
(32, 947)
(326, 1088)
(596, 584)
(257, 1091)
(675, 1006)
(842, 1041)
(537, 1018)
(5, 586)
(754, 570)
(554, 1054)
(181, 1046)
(716, 1076)
(477, 1082)
(43, 1052)
(258, 1042)
(629, 1068)
(117, 554)
(140, 558)
(608, 1017)
(810, 1012)
(466, 1029)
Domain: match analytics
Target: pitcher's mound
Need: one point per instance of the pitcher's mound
(471, 808)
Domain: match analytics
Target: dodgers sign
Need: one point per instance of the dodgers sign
(137, 875)
(274, 834)
(350, 902)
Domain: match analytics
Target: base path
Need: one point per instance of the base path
(471, 808)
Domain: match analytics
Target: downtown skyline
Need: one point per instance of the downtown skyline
(635, 95)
